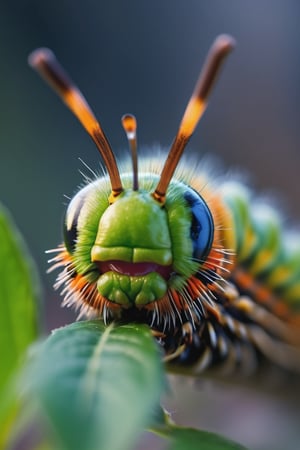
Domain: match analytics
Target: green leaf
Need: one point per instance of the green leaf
(192, 439)
(18, 321)
(183, 438)
(98, 385)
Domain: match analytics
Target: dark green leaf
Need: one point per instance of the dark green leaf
(192, 439)
(18, 325)
(189, 438)
(98, 385)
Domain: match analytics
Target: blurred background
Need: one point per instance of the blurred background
(144, 58)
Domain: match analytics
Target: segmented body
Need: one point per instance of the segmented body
(231, 309)
(256, 311)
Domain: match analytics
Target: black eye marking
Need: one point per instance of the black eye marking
(70, 236)
(70, 232)
(202, 226)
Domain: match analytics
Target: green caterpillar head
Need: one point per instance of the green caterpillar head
(135, 249)
(135, 241)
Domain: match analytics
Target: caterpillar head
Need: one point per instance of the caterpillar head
(137, 244)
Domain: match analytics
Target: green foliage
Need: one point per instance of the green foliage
(189, 438)
(91, 386)
(97, 385)
(18, 314)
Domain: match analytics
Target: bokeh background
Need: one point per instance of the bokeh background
(144, 57)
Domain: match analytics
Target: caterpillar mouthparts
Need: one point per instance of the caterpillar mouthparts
(134, 269)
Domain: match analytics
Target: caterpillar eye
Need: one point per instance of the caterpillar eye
(70, 235)
(202, 225)
(70, 228)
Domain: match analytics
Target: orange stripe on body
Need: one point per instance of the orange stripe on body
(263, 295)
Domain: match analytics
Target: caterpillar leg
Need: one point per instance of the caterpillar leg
(187, 339)
(238, 337)
(209, 346)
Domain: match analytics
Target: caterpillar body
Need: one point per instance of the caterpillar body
(211, 271)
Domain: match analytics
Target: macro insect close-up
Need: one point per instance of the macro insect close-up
(210, 270)
(157, 305)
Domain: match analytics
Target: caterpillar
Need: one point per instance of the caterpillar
(212, 271)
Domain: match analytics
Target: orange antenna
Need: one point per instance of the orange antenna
(129, 125)
(44, 61)
(194, 110)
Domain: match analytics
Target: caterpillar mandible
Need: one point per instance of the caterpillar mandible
(211, 271)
